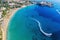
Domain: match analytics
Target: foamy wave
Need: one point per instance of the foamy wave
(46, 34)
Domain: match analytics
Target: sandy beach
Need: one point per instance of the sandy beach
(6, 21)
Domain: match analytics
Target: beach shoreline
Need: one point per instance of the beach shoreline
(6, 22)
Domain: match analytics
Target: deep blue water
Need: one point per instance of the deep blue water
(21, 27)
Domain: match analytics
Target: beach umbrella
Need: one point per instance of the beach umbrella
(34, 22)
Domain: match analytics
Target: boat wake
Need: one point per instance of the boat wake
(46, 34)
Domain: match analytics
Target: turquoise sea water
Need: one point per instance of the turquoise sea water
(22, 27)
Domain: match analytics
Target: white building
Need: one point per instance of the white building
(3, 8)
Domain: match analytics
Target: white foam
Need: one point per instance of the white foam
(46, 34)
(58, 11)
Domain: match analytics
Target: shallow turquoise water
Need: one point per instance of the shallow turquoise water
(21, 27)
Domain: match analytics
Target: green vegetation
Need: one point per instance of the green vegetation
(0, 34)
(4, 13)
(6, 5)
(0, 3)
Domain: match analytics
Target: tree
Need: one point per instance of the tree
(4, 13)
(0, 3)
(0, 33)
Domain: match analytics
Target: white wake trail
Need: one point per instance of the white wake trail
(46, 34)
